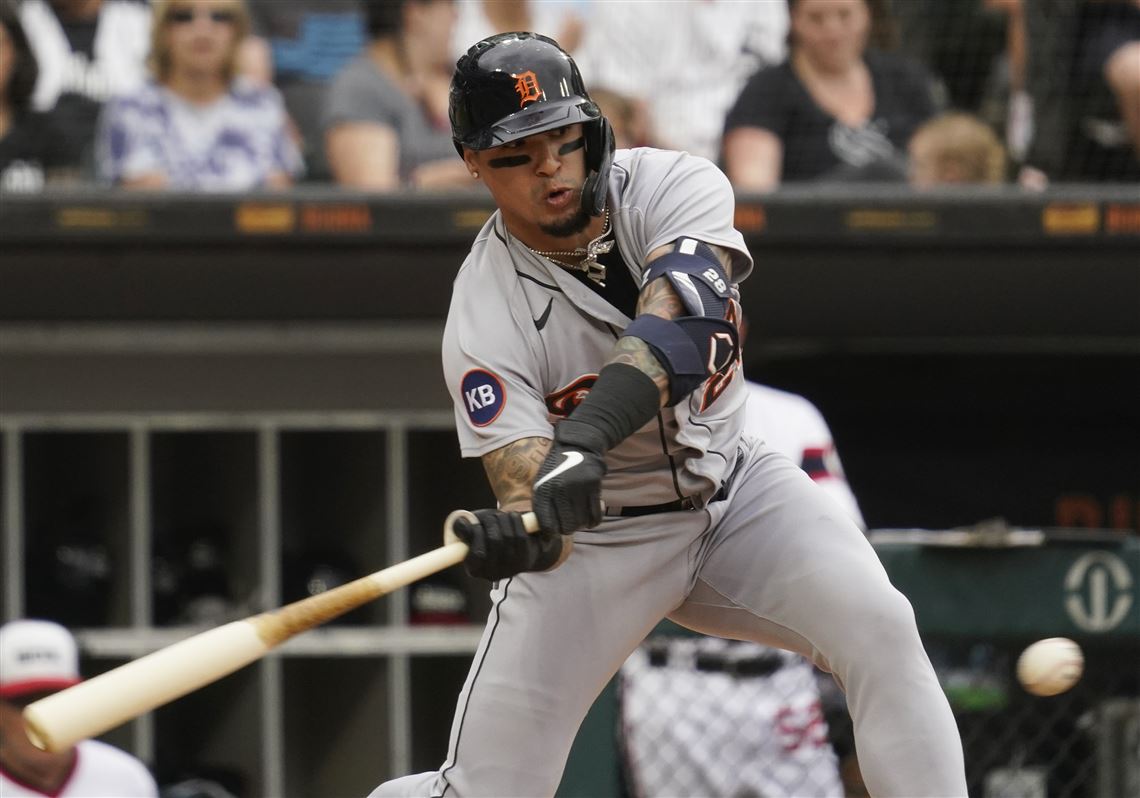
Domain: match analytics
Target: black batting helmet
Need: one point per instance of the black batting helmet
(513, 85)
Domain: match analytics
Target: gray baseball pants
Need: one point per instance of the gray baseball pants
(776, 561)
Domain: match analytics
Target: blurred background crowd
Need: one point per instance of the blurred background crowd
(226, 95)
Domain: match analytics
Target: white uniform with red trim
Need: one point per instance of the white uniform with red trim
(705, 716)
(762, 555)
(101, 771)
(793, 426)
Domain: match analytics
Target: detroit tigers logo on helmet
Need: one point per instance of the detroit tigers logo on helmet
(483, 396)
(526, 84)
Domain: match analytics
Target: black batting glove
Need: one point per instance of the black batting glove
(567, 493)
(568, 489)
(499, 545)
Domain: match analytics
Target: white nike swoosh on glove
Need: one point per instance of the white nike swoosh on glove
(572, 459)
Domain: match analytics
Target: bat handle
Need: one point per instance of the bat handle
(530, 523)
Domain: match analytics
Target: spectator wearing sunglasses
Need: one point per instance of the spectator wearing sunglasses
(198, 125)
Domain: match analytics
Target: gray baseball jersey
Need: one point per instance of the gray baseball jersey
(525, 339)
(769, 558)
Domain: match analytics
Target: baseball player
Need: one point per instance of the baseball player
(592, 351)
(707, 716)
(38, 658)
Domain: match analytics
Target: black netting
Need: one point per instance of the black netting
(713, 717)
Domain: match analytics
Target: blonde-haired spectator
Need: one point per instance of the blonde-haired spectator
(198, 124)
(956, 147)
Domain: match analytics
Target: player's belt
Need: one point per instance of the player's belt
(677, 505)
(761, 665)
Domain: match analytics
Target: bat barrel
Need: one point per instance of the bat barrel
(92, 707)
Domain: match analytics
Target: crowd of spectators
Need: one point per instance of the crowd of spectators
(236, 95)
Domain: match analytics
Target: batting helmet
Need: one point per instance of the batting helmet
(513, 85)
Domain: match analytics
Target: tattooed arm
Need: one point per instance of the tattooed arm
(511, 471)
(498, 543)
(659, 299)
(632, 387)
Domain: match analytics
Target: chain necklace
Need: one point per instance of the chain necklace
(588, 255)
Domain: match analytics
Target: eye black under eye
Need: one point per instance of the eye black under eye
(505, 161)
(570, 146)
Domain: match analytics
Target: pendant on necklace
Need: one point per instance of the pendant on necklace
(589, 263)
(594, 270)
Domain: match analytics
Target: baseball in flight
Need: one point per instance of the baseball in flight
(1050, 666)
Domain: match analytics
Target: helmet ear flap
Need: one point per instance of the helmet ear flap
(599, 158)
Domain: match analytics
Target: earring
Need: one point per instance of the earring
(475, 175)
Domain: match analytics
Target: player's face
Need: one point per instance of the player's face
(832, 33)
(201, 36)
(537, 184)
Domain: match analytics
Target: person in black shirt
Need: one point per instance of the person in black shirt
(31, 148)
(833, 109)
(87, 51)
(1105, 95)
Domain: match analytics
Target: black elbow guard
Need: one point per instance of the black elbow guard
(691, 348)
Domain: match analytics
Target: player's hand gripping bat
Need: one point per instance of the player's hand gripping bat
(92, 707)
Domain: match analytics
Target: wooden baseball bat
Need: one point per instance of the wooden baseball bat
(92, 707)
